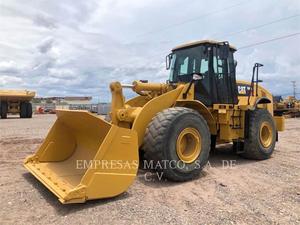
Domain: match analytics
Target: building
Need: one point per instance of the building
(103, 108)
(50, 104)
(64, 100)
(78, 100)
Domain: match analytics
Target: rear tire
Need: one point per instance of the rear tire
(165, 131)
(3, 109)
(261, 139)
(23, 110)
(28, 110)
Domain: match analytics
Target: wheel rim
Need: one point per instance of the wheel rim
(188, 145)
(266, 136)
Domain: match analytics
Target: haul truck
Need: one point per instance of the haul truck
(16, 101)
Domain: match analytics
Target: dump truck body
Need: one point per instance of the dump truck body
(16, 102)
(85, 157)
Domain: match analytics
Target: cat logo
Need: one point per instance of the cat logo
(242, 90)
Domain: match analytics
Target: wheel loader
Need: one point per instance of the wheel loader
(174, 124)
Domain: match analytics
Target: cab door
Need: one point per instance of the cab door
(202, 64)
(224, 76)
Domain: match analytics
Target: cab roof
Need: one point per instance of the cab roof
(201, 42)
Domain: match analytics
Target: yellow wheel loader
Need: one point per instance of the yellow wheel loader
(174, 124)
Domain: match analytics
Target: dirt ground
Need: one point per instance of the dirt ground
(248, 192)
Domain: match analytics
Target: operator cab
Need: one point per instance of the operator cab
(214, 64)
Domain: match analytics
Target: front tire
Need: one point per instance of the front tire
(178, 139)
(261, 139)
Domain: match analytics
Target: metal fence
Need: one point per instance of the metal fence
(100, 108)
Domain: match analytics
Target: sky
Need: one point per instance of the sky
(75, 48)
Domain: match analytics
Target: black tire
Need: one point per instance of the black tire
(161, 137)
(4, 108)
(213, 144)
(23, 110)
(253, 145)
(237, 147)
(28, 110)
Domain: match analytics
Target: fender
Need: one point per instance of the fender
(203, 110)
(149, 110)
(261, 100)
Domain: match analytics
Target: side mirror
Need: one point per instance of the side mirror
(197, 76)
(168, 61)
(235, 63)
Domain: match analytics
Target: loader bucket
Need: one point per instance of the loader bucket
(84, 157)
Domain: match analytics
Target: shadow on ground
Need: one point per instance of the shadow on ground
(9, 117)
(65, 209)
(224, 154)
(222, 157)
(221, 154)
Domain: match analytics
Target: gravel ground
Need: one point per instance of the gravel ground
(248, 192)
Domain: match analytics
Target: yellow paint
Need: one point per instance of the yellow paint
(16, 95)
(150, 109)
(262, 92)
(188, 145)
(83, 157)
(265, 134)
(280, 123)
(203, 110)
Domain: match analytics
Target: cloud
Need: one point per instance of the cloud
(44, 21)
(46, 45)
(10, 80)
(79, 47)
(9, 67)
(63, 73)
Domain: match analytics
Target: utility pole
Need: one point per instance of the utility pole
(294, 88)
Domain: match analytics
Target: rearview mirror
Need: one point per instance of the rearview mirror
(235, 63)
(168, 61)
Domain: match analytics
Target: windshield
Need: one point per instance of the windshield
(185, 62)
